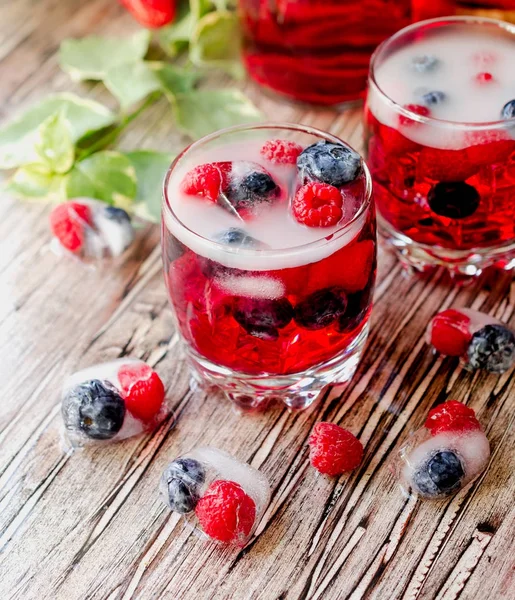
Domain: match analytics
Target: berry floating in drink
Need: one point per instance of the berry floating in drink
(90, 229)
(112, 401)
(225, 498)
(481, 341)
(447, 454)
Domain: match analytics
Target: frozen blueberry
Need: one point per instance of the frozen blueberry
(254, 188)
(440, 475)
(261, 317)
(492, 348)
(433, 98)
(117, 214)
(508, 110)
(357, 306)
(321, 308)
(182, 479)
(95, 408)
(424, 63)
(453, 199)
(330, 163)
(237, 237)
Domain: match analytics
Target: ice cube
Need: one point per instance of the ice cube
(251, 286)
(225, 496)
(112, 401)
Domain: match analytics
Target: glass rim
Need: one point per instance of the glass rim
(372, 82)
(228, 250)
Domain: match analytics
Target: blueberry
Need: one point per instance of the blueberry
(182, 480)
(492, 348)
(453, 199)
(433, 98)
(508, 110)
(254, 188)
(330, 163)
(261, 317)
(236, 237)
(116, 214)
(321, 308)
(357, 307)
(424, 63)
(95, 408)
(440, 475)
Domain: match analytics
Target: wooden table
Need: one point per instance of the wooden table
(91, 524)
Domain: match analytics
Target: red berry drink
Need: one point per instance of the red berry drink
(440, 125)
(318, 51)
(270, 254)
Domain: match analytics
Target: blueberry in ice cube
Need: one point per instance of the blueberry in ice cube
(357, 306)
(95, 408)
(492, 348)
(330, 163)
(250, 189)
(262, 317)
(433, 98)
(183, 478)
(440, 475)
(321, 308)
(237, 237)
(453, 199)
(508, 110)
(117, 214)
(424, 63)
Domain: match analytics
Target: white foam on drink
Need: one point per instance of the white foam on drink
(199, 221)
(463, 51)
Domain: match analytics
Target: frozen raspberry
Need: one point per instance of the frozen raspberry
(334, 450)
(450, 332)
(281, 152)
(452, 416)
(418, 109)
(226, 513)
(318, 205)
(143, 390)
(68, 222)
(207, 180)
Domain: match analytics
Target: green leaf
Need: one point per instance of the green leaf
(131, 83)
(201, 112)
(93, 56)
(54, 147)
(175, 38)
(18, 138)
(216, 42)
(174, 80)
(199, 8)
(32, 183)
(151, 168)
(107, 176)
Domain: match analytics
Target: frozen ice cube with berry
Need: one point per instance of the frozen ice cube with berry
(444, 456)
(112, 401)
(90, 229)
(481, 341)
(224, 497)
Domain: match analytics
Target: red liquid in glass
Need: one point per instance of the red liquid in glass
(318, 51)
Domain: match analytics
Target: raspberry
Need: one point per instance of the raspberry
(452, 416)
(334, 450)
(318, 205)
(207, 180)
(418, 109)
(281, 152)
(143, 390)
(450, 333)
(67, 222)
(226, 513)
(151, 13)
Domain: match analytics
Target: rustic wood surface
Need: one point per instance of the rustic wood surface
(91, 524)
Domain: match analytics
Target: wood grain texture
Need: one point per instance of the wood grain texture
(91, 525)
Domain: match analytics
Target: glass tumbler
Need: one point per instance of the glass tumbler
(318, 51)
(266, 307)
(440, 135)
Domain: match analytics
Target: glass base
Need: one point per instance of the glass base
(461, 264)
(297, 391)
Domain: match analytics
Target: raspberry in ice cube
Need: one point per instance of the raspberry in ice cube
(446, 455)
(112, 401)
(481, 341)
(225, 497)
(91, 229)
